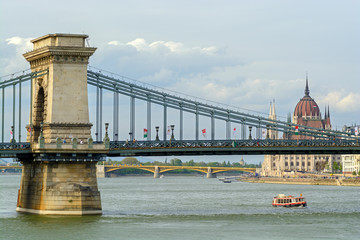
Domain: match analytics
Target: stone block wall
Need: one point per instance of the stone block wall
(59, 188)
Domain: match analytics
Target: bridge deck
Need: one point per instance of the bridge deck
(193, 147)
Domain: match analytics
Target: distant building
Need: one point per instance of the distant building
(350, 164)
(306, 113)
(353, 130)
(242, 162)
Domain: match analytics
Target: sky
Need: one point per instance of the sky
(240, 53)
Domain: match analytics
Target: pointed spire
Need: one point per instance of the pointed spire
(270, 111)
(325, 113)
(328, 112)
(273, 110)
(307, 92)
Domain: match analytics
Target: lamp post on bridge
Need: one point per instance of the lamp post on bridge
(250, 127)
(172, 132)
(157, 133)
(106, 130)
(12, 140)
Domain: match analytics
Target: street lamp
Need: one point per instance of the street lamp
(250, 127)
(157, 133)
(172, 132)
(106, 130)
(130, 134)
(12, 140)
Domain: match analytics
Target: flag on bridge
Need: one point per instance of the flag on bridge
(11, 134)
(145, 133)
(263, 133)
(204, 132)
(296, 130)
(356, 131)
(234, 131)
(169, 130)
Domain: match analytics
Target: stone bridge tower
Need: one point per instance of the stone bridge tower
(59, 99)
(59, 177)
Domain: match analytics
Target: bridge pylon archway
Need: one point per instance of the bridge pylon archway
(60, 177)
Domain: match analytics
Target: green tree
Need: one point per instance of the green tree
(354, 173)
(176, 162)
(213, 164)
(236, 164)
(191, 163)
(336, 166)
(201, 164)
(130, 161)
(157, 163)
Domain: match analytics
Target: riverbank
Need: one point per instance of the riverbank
(304, 181)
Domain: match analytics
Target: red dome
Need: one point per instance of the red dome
(307, 107)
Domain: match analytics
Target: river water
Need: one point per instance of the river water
(191, 208)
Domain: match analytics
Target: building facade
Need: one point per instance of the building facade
(306, 113)
(350, 164)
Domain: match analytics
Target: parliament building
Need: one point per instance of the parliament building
(306, 113)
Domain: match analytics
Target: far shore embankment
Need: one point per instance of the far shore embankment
(304, 181)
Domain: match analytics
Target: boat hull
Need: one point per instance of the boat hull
(290, 205)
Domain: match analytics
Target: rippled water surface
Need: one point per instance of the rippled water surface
(191, 208)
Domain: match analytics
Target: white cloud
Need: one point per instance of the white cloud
(342, 101)
(22, 44)
(115, 43)
(12, 60)
(141, 45)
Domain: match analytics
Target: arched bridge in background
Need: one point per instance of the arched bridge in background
(158, 170)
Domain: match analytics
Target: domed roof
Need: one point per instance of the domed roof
(307, 106)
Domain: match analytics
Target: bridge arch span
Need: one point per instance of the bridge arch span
(157, 170)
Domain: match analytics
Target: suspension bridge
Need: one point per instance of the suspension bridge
(59, 143)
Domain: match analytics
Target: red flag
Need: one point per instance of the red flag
(204, 132)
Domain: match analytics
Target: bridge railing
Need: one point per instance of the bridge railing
(231, 143)
(20, 145)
